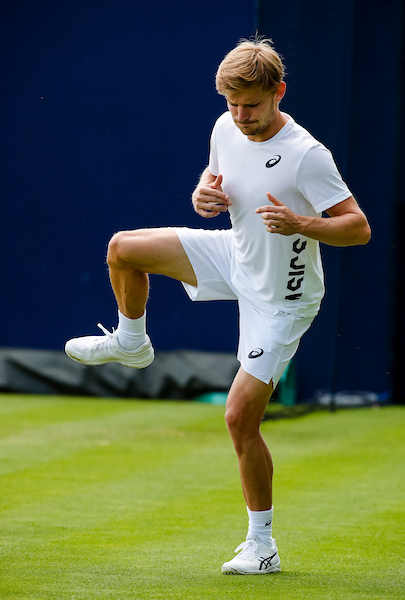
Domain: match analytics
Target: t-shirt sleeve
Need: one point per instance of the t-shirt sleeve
(213, 162)
(319, 180)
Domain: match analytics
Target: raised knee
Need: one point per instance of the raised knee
(113, 250)
(118, 247)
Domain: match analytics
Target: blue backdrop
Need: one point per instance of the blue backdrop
(107, 110)
(346, 85)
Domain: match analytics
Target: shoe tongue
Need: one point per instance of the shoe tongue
(251, 539)
(259, 541)
(251, 546)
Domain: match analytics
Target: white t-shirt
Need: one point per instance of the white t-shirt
(283, 271)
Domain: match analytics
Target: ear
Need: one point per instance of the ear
(281, 91)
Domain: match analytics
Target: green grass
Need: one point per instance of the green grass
(112, 499)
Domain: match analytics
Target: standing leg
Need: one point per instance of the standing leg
(247, 401)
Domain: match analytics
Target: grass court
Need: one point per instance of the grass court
(114, 499)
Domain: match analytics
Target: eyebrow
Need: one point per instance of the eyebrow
(252, 102)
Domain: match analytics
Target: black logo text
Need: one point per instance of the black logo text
(297, 271)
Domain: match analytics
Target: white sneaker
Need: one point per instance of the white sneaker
(97, 350)
(255, 559)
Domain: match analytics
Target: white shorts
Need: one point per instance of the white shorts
(268, 337)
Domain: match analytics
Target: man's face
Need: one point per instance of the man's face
(255, 112)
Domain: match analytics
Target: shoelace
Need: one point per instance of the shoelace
(105, 331)
(113, 340)
(102, 341)
(248, 548)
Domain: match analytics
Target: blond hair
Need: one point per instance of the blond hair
(253, 63)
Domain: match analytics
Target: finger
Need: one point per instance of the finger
(208, 214)
(217, 186)
(217, 183)
(274, 200)
(216, 207)
(217, 204)
(272, 224)
(211, 206)
(212, 195)
(271, 221)
(266, 209)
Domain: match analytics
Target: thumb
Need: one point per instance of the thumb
(217, 182)
(274, 200)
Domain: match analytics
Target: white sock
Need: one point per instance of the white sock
(260, 525)
(131, 333)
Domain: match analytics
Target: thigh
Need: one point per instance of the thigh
(156, 251)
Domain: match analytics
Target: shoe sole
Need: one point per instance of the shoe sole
(236, 572)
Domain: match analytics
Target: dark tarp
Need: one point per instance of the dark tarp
(183, 374)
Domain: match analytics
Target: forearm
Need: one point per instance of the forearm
(347, 225)
(350, 229)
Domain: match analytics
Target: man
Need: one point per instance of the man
(275, 180)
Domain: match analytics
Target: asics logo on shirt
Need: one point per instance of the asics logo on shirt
(297, 271)
(256, 353)
(273, 161)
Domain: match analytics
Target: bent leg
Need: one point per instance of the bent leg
(247, 401)
(133, 254)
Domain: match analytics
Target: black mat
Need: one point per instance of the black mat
(181, 374)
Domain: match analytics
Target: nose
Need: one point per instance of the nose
(243, 114)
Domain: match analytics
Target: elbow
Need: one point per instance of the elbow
(360, 237)
(365, 235)
(362, 232)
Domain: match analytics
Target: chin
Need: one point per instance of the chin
(249, 129)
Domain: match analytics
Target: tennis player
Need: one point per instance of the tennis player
(275, 181)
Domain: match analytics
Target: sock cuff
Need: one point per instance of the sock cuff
(132, 325)
(260, 517)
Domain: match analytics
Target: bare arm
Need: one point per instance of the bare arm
(347, 226)
(208, 198)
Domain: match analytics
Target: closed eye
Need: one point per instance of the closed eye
(245, 105)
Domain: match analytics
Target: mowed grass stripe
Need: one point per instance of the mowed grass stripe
(76, 454)
(53, 433)
(146, 465)
(342, 503)
(152, 509)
